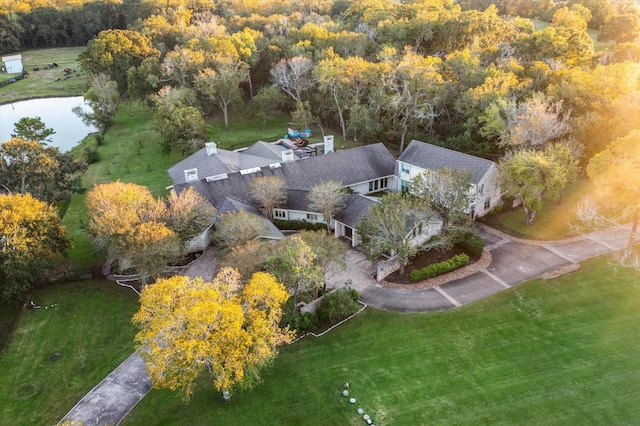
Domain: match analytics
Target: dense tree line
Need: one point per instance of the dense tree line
(456, 74)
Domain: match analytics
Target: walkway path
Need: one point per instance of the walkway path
(112, 399)
(513, 262)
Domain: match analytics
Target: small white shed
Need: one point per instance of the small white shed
(13, 64)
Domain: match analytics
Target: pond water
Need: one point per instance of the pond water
(56, 113)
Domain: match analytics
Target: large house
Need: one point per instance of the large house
(223, 178)
(421, 156)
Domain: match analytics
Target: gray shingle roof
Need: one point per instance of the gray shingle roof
(349, 166)
(266, 150)
(296, 200)
(357, 207)
(434, 157)
(225, 161)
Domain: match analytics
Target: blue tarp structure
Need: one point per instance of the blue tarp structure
(292, 133)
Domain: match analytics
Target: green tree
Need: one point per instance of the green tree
(527, 175)
(221, 85)
(292, 262)
(623, 28)
(387, 228)
(266, 103)
(45, 173)
(145, 79)
(31, 235)
(413, 92)
(113, 52)
(327, 197)
(103, 98)
(32, 129)
(447, 192)
(330, 252)
(178, 121)
(188, 328)
(181, 65)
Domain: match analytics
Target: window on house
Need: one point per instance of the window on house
(481, 190)
(404, 185)
(487, 203)
(385, 183)
(312, 217)
(280, 214)
(405, 168)
(370, 186)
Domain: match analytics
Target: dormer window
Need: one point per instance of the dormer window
(405, 168)
(190, 175)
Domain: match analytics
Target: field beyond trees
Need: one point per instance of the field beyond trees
(47, 82)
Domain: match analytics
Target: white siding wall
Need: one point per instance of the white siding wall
(490, 196)
(488, 184)
(300, 215)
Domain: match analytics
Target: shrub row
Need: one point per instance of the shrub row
(299, 225)
(338, 305)
(472, 244)
(335, 307)
(439, 268)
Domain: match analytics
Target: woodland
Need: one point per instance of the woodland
(458, 74)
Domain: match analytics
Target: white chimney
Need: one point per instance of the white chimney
(211, 147)
(287, 156)
(328, 144)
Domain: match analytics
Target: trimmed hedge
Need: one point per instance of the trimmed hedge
(472, 244)
(296, 225)
(439, 268)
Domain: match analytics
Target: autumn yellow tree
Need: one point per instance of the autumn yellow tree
(31, 234)
(140, 231)
(115, 210)
(188, 327)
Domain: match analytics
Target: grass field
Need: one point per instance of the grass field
(90, 317)
(547, 352)
(131, 153)
(553, 221)
(43, 83)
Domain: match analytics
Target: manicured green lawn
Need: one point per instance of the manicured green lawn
(43, 83)
(547, 352)
(91, 317)
(131, 153)
(552, 221)
(244, 131)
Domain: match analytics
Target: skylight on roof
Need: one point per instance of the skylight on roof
(216, 177)
(251, 170)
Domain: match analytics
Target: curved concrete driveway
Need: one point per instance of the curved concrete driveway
(513, 262)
